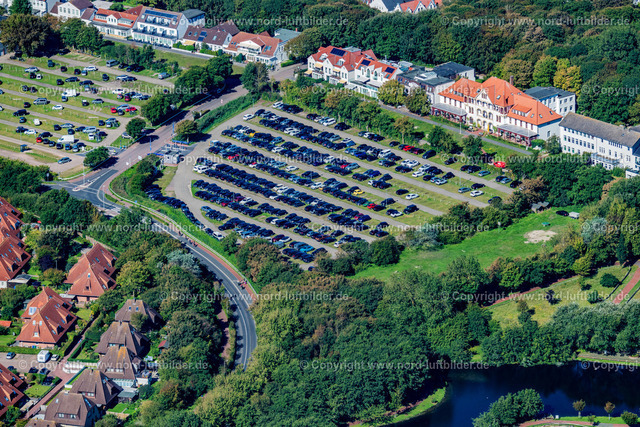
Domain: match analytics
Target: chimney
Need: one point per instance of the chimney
(511, 80)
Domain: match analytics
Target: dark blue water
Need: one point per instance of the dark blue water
(471, 392)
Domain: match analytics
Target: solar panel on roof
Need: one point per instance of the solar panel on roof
(336, 51)
(164, 15)
(389, 70)
(366, 62)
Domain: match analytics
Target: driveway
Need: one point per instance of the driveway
(23, 362)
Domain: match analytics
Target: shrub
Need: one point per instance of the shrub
(608, 280)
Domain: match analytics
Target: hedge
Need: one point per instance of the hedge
(221, 114)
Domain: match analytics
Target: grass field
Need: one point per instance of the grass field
(567, 291)
(37, 390)
(486, 246)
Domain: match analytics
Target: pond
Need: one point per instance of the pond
(471, 392)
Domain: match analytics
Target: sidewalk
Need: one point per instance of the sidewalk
(551, 422)
(622, 296)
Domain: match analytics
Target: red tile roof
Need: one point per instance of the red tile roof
(385, 69)
(339, 57)
(93, 274)
(48, 325)
(10, 393)
(266, 43)
(42, 299)
(503, 94)
(9, 219)
(102, 15)
(5, 323)
(12, 257)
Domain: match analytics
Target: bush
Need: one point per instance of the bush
(629, 418)
(220, 114)
(593, 297)
(608, 280)
(287, 63)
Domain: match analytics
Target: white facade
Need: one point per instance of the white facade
(609, 145)
(561, 101)
(159, 27)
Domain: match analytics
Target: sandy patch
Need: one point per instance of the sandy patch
(537, 236)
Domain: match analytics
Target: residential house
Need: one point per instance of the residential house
(116, 24)
(13, 257)
(121, 366)
(81, 9)
(72, 410)
(384, 5)
(92, 275)
(132, 306)
(163, 27)
(370, 75)
(257, 48)
(48, 319)
(425, 79)
(561, 101)
(336, 65)
(499, 107)
(122, 334)
(97, 387)
(194, 17)
(41, 7)
(47, 294)
(609, 145)
(10, 385)
(9, 219)
(214, 39)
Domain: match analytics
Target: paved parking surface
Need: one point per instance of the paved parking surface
(23, 362)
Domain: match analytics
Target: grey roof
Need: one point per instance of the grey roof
(624, 136)
(192, 13)
(286, 35)
(391, 4)
(450, 68)
(544, 92)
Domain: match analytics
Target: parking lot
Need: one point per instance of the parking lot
(92, 114)
(23, 363)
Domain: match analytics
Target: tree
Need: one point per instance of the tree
(139, 321)
(579, 406)
(89, 39)
(417, 101)
(472, 148)
(622, 253)
(553, 146)
(465, 275)
(20, 7)
(392, 93)
(135, 127)
(568, 77)
(520, 70)
(609, 407)
(230, 243)
(70, 30)
(584, 265)
(385, 251)
(27, 33)
(186, 129)
(220, 66)
(255, 77)
(544, 71)
(629, 418)
(306, 44)
(403, 126)
(367, 112)
(118, 7)
(157, 108)
(96, 156)
(608, 280)
(56, 277)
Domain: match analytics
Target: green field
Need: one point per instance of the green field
(37, 390)
(485, 246)
(567, 291)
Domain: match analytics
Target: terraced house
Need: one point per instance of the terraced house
(10, 389)
(214, 39)
(13, 254)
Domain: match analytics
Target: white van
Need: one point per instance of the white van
(43, 356)
(199, 168)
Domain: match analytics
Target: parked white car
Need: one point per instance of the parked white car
(248, 117)
(291, 168)
(476, 193)
(411, 196)
(58, 107)
(410, 163)
(30, 132)
(90, 68)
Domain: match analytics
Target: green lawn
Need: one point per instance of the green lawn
(7, 339)
(486, 246)
(567, 291)
(123, 408)
(84, 313)
(37, 390)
